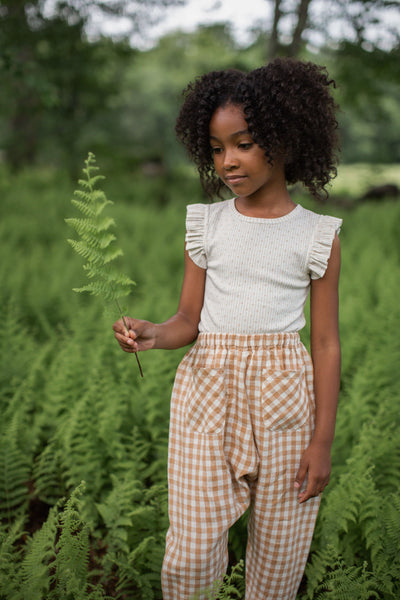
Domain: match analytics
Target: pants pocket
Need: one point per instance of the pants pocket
(285, 399)
(206, 401)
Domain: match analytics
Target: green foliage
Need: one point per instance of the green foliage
(65, 91)
(152, 88)
(95, 244)
(73, 411)
(14, 474)
(56, 560)
(72, 551)
(96, 239)
(35, 572)
(355, 549)
(230, 587)
(344, 583)
(10, 556)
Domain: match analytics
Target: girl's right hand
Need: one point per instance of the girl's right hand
(140, 335)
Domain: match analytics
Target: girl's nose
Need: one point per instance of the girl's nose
(230, 161)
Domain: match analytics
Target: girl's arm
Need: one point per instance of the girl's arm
(179, 330)
(325, 353)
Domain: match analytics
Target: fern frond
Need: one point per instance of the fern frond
(348, 583)
(230, 587)
(71, 564)
(96, 243)
(100, 239)
(82, 454)
(47, 474)
(35, 573)
(85, 226)
(316, 569)
(91, 180)
(10, 556)
(14, 476)
(86, 206)
(94, 253)
(96, 239)
(385, 552)
(391, 519)
(343, 504)
(111, 278)
(115, 512)
(136, 523)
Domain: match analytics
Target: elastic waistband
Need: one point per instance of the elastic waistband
(254, 340)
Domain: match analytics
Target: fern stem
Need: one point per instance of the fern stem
(123, 318)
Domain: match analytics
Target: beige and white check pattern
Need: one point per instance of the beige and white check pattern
(242, 413)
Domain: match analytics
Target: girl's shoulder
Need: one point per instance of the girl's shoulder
(198, 217)
(324, 228)
(202, 209)
(318, 218)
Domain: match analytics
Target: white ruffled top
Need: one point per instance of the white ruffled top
(258, 270)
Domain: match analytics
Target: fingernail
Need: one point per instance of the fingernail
(296, 484)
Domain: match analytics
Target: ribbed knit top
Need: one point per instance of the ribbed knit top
(258, 270)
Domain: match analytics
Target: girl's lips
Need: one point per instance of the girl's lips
(235, 179)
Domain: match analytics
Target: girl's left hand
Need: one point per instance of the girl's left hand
(316, 465)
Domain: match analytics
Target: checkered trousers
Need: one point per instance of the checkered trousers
(242, 413)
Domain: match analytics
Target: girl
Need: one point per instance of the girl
(252, 416)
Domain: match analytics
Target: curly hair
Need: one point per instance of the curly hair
(289, 109)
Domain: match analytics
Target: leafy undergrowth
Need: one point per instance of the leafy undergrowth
(83, 439)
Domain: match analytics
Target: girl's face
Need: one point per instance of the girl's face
(238, 160)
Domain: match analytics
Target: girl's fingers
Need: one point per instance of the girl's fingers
(119, 327)
(300, 475)
(135, 336)
(126, 343)
(313, 489)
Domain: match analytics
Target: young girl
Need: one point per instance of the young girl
(252, 416)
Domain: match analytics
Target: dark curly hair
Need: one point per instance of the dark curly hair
(289, 109)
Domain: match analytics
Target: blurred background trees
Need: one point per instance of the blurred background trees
(67, 89)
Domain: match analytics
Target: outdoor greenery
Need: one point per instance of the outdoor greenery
(83, 445)
(83, 437)
(65, 93)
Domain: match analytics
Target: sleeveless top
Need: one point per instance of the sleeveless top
(258, 270)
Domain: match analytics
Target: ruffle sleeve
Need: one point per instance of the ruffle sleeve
(196, 221)
(321, 246)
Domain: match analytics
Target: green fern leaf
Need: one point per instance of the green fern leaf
(230, 587)
(14, 475)
(85, 226)
(96, 238)
(10, 554)
(35, 572)
(91, 180)
(83, 204)
(96, 245)
(72, 550)
(47, 474)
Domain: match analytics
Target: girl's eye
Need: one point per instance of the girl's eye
(216, 150)
(245, 145)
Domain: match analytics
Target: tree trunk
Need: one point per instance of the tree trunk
(273, 48)
(23, 144)
(302, 16)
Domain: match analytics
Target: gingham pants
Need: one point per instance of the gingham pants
(242, 413)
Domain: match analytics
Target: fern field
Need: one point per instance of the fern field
(83, 438)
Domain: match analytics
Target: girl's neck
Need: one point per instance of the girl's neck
(267, 207)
